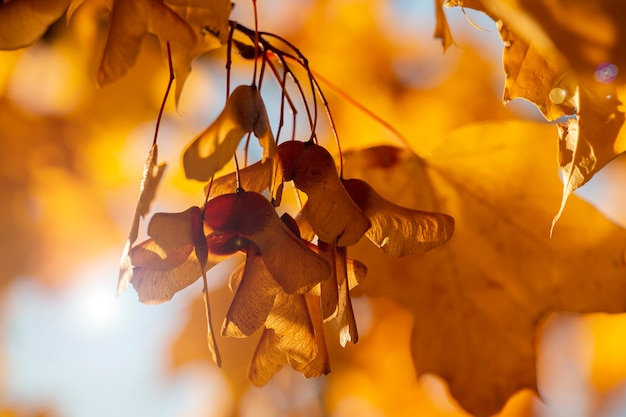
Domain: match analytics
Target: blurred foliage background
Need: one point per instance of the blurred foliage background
(71, 157)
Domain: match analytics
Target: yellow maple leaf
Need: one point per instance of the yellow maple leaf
(565, 66)
(476, 301)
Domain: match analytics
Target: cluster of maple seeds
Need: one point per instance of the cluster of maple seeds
(297, 274)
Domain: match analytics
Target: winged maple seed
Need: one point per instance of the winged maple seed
(215, 146)
(297, 275)
(287, 297)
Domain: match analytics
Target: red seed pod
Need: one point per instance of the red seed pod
(245, 213)
(329, 209)
(288, 154)
(291, 263)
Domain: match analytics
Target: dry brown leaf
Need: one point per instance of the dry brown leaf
(23, 22)
(172, 230)
(321, 364)
(130, 21)
(292, 324)
(583, 146)
(152, 173)
(215, 146)
(357, 271)
(546, 81)
(476, 301)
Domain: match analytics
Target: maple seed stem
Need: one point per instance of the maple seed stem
(167, 92)
(256, 41)
(259, 41)
(237, 177)
(229, 58)
(283, 97)
(395, 132)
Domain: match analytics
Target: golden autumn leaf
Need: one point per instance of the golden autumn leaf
(131, 20)
(476, 301)
(23, 22)
(209, 22)
(565, 66)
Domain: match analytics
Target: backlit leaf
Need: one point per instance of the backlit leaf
(565, 66)
(476, 301)
(158, 274)
(290, 337)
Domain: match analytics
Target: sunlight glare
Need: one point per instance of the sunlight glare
(96, 307)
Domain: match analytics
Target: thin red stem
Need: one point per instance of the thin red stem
(167, 92)
(256, 40)
(229, 57)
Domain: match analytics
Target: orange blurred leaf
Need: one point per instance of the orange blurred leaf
(130, 21)
(23, 22)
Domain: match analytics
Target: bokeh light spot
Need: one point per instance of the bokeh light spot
(606, 73)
